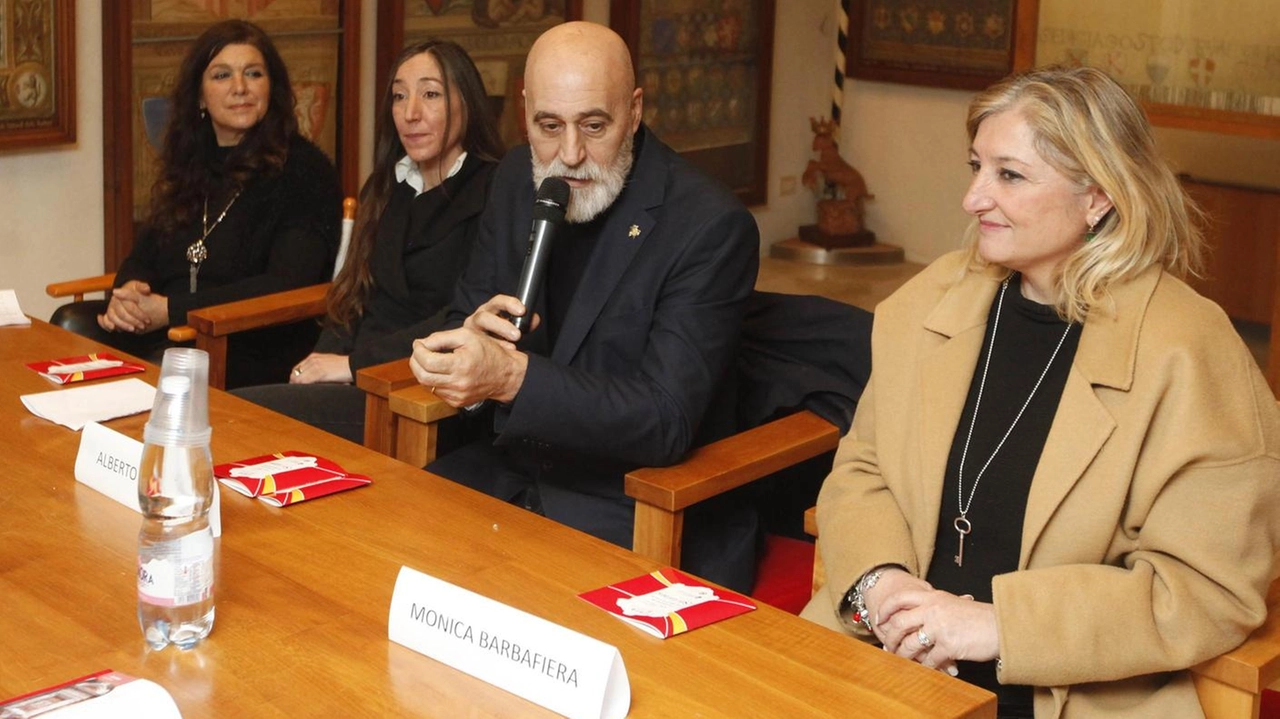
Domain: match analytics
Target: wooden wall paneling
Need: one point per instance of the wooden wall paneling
(1243, 231)
(349, 100)
(117, 134)
(1243, 235)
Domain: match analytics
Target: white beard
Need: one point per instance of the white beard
(606, 182)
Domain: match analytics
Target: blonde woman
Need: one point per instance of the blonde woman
(1063, 482)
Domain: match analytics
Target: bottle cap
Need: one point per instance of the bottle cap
(180, 416)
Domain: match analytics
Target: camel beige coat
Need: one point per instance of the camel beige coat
(1154, 514)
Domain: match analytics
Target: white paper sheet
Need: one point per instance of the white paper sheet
(10, 312)
(77, 406)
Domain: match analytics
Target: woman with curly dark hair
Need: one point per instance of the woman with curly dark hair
(418, 219)
(243, 206)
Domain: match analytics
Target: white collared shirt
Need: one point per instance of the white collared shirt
(407, 172)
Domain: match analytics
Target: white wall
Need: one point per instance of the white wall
(51, 206)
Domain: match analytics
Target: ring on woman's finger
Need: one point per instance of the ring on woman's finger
(297, 371)
(925, 640)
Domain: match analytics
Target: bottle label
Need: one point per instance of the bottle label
(178, 572)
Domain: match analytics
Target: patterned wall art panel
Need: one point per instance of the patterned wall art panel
(37, 72)
(706, 67)
(306, 32)
(497, 34)
(1182, 57)
(966, 44)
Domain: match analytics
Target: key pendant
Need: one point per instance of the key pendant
(962, 528)
(195, 269)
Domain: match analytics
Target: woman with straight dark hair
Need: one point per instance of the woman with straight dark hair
(243, 206)
(417, 221)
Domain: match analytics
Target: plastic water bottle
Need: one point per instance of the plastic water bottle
(176, 553)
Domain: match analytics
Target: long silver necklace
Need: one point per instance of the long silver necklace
(196, 251)
(961, 523)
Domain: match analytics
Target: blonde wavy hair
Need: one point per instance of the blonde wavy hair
(1087, 127)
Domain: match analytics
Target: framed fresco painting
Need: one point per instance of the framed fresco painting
(143, 44)
(37, 73)
(497, 34)
(960, 44)
(1202, 66)
(706, 67)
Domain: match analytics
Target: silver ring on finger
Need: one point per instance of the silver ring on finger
(925, 640)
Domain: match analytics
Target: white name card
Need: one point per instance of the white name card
(109, 462)
(567, 672)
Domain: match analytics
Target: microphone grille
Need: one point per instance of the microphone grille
(553, 191)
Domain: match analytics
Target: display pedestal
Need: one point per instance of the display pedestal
(798, 250)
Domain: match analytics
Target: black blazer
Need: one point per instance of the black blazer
(413, 277)
(653, 326)
(641, 358)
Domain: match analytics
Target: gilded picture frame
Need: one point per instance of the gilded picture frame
(37, 73)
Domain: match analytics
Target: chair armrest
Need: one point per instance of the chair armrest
(77, 289)
(1231, 684)
(734, 461)
(417, 412)
(420, 404)
(378, 382)
(663, 493)
(265, 311)
(811, 522)
(381, 380)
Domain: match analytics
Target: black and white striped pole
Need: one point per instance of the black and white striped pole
(842, 46)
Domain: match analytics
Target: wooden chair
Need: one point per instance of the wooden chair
(662, 494)
(210, 326)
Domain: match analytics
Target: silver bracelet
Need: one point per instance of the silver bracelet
(853, 609)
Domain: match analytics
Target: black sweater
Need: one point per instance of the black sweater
(281, 233)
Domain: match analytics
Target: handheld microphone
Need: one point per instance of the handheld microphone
(548, 214)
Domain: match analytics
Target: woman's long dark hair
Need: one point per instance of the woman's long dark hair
(354, 283)
(189, 169)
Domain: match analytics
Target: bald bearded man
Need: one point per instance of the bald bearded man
(627, 362)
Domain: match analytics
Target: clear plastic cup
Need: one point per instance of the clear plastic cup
(180, 415)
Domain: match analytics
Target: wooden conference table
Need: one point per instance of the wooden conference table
(303, 592)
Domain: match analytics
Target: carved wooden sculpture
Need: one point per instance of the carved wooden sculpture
(840, 212)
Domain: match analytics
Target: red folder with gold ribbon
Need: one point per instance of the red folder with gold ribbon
(286, 478)
(668, 602)
(84, 367)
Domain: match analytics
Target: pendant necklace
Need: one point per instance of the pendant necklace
(196, 251)
(961, 523)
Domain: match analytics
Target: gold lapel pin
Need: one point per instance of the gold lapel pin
(634, 232)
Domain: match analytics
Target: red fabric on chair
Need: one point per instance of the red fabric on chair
(1270, 705)
(784, 573)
